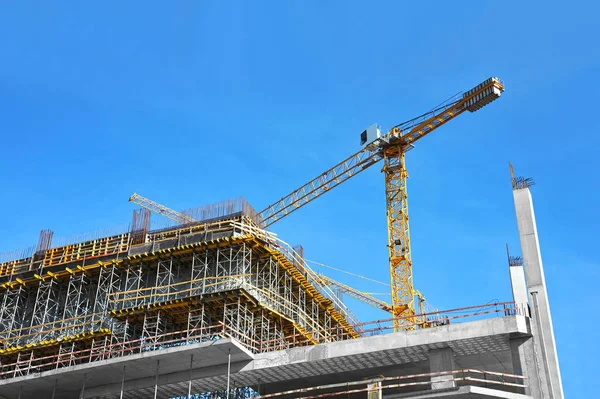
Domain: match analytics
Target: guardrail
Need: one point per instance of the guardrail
(28, 361)
(413, 382)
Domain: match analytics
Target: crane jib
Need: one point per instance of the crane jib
(326, 181)
(472, 100)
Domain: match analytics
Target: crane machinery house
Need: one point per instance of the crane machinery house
(370, 137)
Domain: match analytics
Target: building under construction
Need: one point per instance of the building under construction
(216, 306)
(143, 290)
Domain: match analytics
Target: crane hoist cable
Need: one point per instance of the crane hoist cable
(347, 272)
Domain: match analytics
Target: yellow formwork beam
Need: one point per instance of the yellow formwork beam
(52, 342)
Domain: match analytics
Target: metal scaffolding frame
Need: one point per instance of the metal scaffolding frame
(115, 297)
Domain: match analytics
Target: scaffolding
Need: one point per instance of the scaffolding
(146, 290)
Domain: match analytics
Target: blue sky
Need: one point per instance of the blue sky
(203, 101)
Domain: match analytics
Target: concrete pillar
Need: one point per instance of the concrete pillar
(519, 290)
(541, 320)
(441, 360)
(523, 362)
(122, 383)
(82, 393)
(156, 379)
(189, 392)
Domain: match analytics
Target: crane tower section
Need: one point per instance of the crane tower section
(392, 148)
(394, 169)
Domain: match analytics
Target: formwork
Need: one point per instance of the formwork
(144, 290)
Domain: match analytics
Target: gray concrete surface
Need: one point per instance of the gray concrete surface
(441, 360)
(519, 289)
(104, 377)
(483, 345)
(541, 325)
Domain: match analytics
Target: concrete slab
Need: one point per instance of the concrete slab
(105, 376)
(473, 343)
(483, 345)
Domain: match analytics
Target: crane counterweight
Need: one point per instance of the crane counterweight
(486, 92)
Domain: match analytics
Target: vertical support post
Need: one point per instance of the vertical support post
(228, 370)
(189, 395)
(519, 290)
(523, 361)
(156, 380)
(441, 360)
(82, 393)
(541, 319)
(54, 389)
(20, 392)
(122, 383)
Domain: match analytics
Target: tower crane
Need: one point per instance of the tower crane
(144, 202)
(421, 320)
(353, 292)
(391, 148)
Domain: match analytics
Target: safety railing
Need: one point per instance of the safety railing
(383, 326)
(28, 362)
(107, 246)
(82, 252)
(408, 383)
(60, 329)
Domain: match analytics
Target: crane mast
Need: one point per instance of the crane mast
(401, 281)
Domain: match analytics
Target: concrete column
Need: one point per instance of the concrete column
(441, 360)
(519, 290)
(82, 393)
(189, 392)
(523, 362)
(541, 320)
(122, 383)
(156, 379)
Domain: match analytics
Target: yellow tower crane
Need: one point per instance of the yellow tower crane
(391, 148)
(421, 320)
(161, 209)
(353, 292)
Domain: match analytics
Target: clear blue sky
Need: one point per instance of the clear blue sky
(203, 101)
